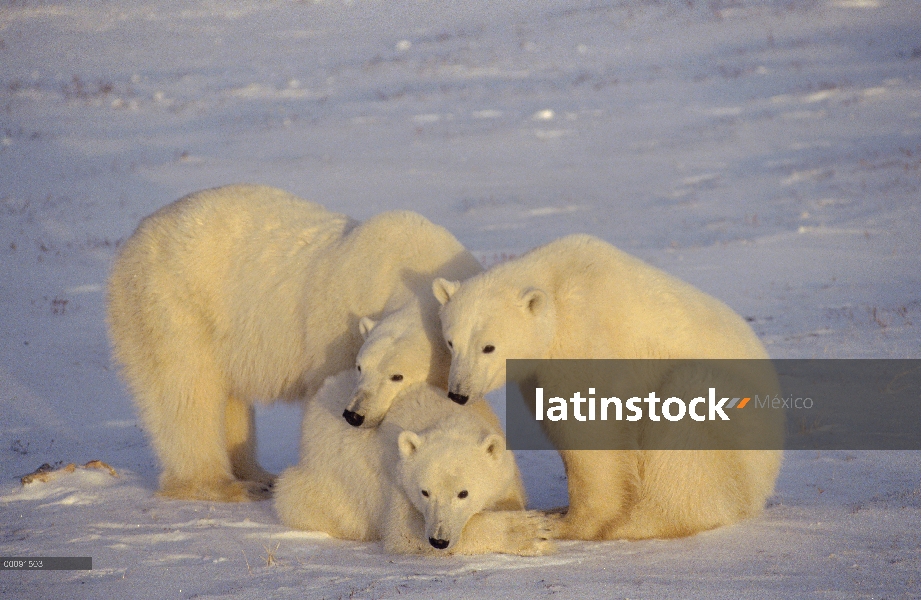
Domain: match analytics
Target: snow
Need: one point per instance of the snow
(767, 151)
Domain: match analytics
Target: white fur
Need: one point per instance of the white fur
(367, 484)
(579, 297)
(246, 293)
(400, 350)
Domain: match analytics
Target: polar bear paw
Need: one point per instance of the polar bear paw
(231, 490)
(529, 533)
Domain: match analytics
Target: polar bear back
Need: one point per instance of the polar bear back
(599, 288)
(232, 264)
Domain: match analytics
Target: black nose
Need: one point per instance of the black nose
(354, 419)
(439, 544)
(459, 398)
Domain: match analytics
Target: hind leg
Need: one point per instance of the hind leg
(684, 492)
(183, 402)
(164, 338)
(240, 432)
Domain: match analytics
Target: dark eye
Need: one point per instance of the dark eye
(463, 494)
(488, 349)
(450, 345)
(358, 367)
(397, 377)
(425, 493)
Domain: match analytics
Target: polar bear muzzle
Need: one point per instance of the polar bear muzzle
(439, 544)
(354, 419)
(459, 398)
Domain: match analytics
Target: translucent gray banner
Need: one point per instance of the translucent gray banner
(831, 404)
(47, 563)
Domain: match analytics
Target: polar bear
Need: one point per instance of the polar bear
(579, 297)
(244, 293)
(402, 349)
(432, 478)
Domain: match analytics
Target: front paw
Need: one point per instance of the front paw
(555, 521)
(530, 533)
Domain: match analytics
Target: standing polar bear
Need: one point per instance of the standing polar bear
(579, 297)
(245, 293)
(431, 478)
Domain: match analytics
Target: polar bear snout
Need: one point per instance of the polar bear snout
(366, 409)
(439, 544)
(459, 398)
(353, 418)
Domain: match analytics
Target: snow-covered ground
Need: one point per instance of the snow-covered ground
(767, 151)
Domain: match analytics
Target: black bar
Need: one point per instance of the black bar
(793, 404)
(47, 563)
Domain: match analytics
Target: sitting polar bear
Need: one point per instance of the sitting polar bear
(431, 478)
(246, 292)
(579, 297)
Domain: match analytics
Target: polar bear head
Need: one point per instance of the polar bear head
(403, 348)
(449, 475)
(485, 321)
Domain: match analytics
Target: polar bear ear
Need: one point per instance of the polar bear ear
(365, 325)
(535, 300)
(494, 446)
(444, 289)
(408, 443)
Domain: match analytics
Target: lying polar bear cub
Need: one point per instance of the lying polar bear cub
(433, 478)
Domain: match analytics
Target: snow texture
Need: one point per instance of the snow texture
(768, 152)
